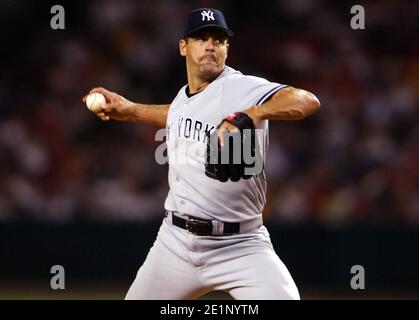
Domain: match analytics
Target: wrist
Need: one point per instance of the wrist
(137, 112)
(254, 115)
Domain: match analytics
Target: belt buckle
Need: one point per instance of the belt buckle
(199, 227)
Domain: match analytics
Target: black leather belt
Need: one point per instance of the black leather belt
(202, 227)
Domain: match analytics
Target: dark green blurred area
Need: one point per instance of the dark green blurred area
(101, 260)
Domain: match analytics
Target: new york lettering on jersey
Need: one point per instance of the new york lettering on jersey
(188, 120)
(189, 128)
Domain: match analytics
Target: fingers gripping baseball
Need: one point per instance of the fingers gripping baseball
(114, 107)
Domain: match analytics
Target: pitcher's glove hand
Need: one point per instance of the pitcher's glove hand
(238, 152)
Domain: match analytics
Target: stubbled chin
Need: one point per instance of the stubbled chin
(209, 70)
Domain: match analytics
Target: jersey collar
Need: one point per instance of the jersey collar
(226, 71)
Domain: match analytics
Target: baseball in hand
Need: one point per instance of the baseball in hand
(94, 101)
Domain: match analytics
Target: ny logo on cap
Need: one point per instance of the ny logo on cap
(207, 14)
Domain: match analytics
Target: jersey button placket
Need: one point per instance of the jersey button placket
(178, 179)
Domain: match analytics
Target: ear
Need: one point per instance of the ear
(227, 47)
(182, 47)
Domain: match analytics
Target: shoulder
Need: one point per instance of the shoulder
(236, 78)
(241, 91)
(236, 75)
(178, 100)
(180, 95)
(181, 91)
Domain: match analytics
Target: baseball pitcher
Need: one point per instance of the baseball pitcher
(212, 236)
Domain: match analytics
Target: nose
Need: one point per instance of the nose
(209, 44)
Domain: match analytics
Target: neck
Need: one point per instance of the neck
(197, 83)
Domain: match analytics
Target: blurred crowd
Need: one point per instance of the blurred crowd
(356, 160)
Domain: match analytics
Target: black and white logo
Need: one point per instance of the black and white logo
(209, 15)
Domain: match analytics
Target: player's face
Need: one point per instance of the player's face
(205, 52)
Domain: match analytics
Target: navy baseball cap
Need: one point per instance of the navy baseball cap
(206, 17)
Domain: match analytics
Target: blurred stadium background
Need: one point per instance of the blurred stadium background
(88, 195)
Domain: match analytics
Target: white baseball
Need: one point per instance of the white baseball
(95, 101)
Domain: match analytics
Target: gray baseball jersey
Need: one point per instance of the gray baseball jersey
(182, 265)
(191, 191)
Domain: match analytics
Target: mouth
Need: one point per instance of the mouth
(209, 58)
